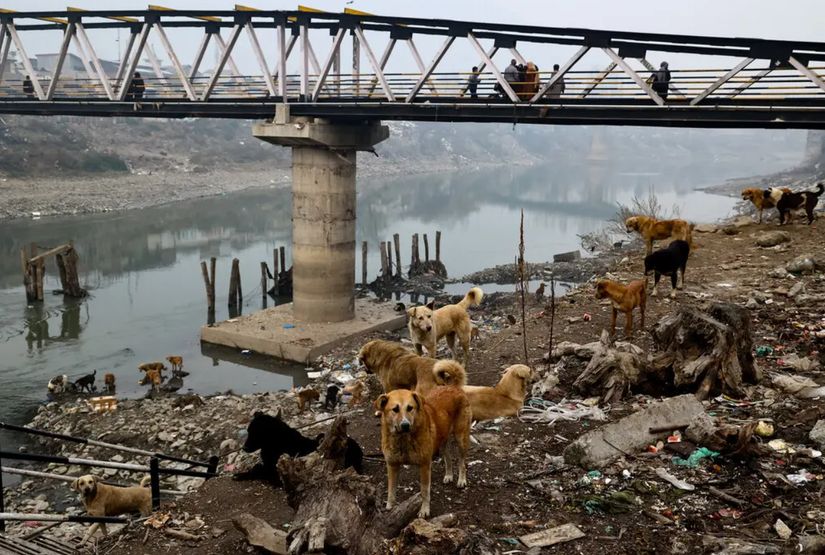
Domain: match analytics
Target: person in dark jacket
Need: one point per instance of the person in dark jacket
(28, 87)
(661, 80)
(472, 83)
(136, 88)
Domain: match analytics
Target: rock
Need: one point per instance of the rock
(817, 434)
(598, 448)
(571, 256)
(803, 264)
(782, 529)
(41, 506)
(772, 238)
(797, 288)
(705, 228)
(260, 534)
(164, 437)
(730, 230)
(779, 272)
(752, 303)
(552, 536)
(742, 221)
(116, 458)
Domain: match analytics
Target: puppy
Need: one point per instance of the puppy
(786, 202)
(152, 377)
(274, 438)
(58, 384)
(652, 229)
(759, 200)
(398, 368)
(331, 398)
(505, 399)
(306, 396)
(668, 261)
(624, 298)
(86, 383)
(176, 362)
(427, 326)
(100, 499)
(356, 389)
(109, 382)
(146, 366)
(415, 427)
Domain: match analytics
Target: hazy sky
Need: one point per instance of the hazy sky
(791, 19)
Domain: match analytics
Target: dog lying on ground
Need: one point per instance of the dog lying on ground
(305, 397)
(652, 229)
(624, 298)
(356, 389)
(86, 383)
(274, 438)
(176, 362)
(398, 368)
(505, 399)
(758, 198)
(668, 261)
(101, 499)
(109, 382)
(427, 326)
(151, 377)
(59, 384)
(787, 202)
(415, 427)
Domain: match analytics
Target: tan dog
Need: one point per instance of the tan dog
(152, 377)
(652, 229)
(398, 368)
(100, 499)
(356, 389)
(427, 326)
(623, 298)
(109, 382)
(176, 362)
(146, 366)
(305, 396)
(760, 200)
(415, 427)
(505, 399)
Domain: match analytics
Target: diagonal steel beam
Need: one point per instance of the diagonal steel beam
(5, 43)
(385, 57)
(259, 55)
(505, 85)
(293, 40)
(231, 61)
(633, 75)
(420, 63)
(481, 66)
(561, 72)
(304, 34)
(803, 69)
(27, 64)
(155, 63)
(322, 77)
(439, 55)
(599, 78)
(121, 70)
(280, 72)
(101, 74)
(84, 58)
(133, 63)
(227, 52)
(650, 67)
(184, 80)
(755, 79)
(199, 54)
(721, 81)
(61, 58)
(356, 65)
(379, 72)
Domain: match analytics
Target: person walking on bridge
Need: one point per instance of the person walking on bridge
(557, 88)
(28, 87)
(472, 83)
(511, 74)
(661, 80)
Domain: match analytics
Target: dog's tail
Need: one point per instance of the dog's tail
(472, 298)
(449, 372)
(820, 188)
(145, 481)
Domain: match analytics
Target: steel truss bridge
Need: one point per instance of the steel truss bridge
(342, 71)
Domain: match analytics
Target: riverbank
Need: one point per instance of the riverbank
(517, 483)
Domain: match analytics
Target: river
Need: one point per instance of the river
(147, 297)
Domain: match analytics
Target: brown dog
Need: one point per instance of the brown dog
(152, 377)
(415, 427)
(505, 399)
(760, 200)
(623, 298)
(398, 368)
(146, 366)
(305, 396)
(109, 382)
(356, 389)
(652, 229)
(427, 326)
(100, 499)
(176, 362)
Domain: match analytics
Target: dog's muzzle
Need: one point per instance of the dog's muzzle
(404, 426)
(429, 328)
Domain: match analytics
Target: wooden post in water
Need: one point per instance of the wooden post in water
(210, 300)
(264, 282)
(438, 246)
(72, 277)
(237, 264)
(275, 272)
(416, 255)
(212, 279)
(397, 240)
(389, 257)
(40, 268)
(61, 270)
(426, 248)
(364, 246)
(234, 284)
(383, 262)
(282, 252)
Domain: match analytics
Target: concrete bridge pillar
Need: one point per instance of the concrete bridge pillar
(323, 209)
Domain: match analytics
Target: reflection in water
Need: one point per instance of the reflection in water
(147, 299)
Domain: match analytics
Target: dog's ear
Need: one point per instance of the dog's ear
(524, 372)
(73, 486)
(381, 402)
(278, 413)
(411, 311)
(418, 401)
(431, 305)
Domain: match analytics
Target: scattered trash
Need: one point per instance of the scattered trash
(799, 386)
(782, 529)
(587, 317)
(727, 513)
(539, 410)
(764, 351)
(780, 446)
(553, 536)
(246, 352)
(693, 460)
(673, 480)
(676, 437)
(800, 364)
(764, 429)
(288, 326)
(801, 477)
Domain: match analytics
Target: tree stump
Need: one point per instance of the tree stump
(612, 370)
(707, 351)
(337, 510)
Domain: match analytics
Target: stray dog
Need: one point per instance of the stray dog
(760, 200)
(505, 399)
(786, 202)
(415, 427)
(306, 396)
(100, 499)
(652, 229)
(331, 398)
(274, 438)
(356, 389)
(176, 362)
(668, 261)
(427, 326)
(109, 382)
(157, 366)
(86, 383)
(624, 298)
(398, 368)
(58, 384)
(152, 377)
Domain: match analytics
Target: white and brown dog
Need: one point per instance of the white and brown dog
(101, 499)
(427, 326)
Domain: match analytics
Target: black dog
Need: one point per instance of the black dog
(87, 382)
(274, 438)
(668, 261)
(786, 202)
(331, 400)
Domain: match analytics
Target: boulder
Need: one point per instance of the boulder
(803, 264)
(705, 228)
(772, 238)
(817, 434)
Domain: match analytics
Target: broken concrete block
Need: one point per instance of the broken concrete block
(552, 536)
(598, 448)
(260, 534)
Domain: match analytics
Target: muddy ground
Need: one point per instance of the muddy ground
(517, 484)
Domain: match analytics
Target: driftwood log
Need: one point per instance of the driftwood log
(436, 538)
(336, 510)
(612, 370)
(707, 351)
